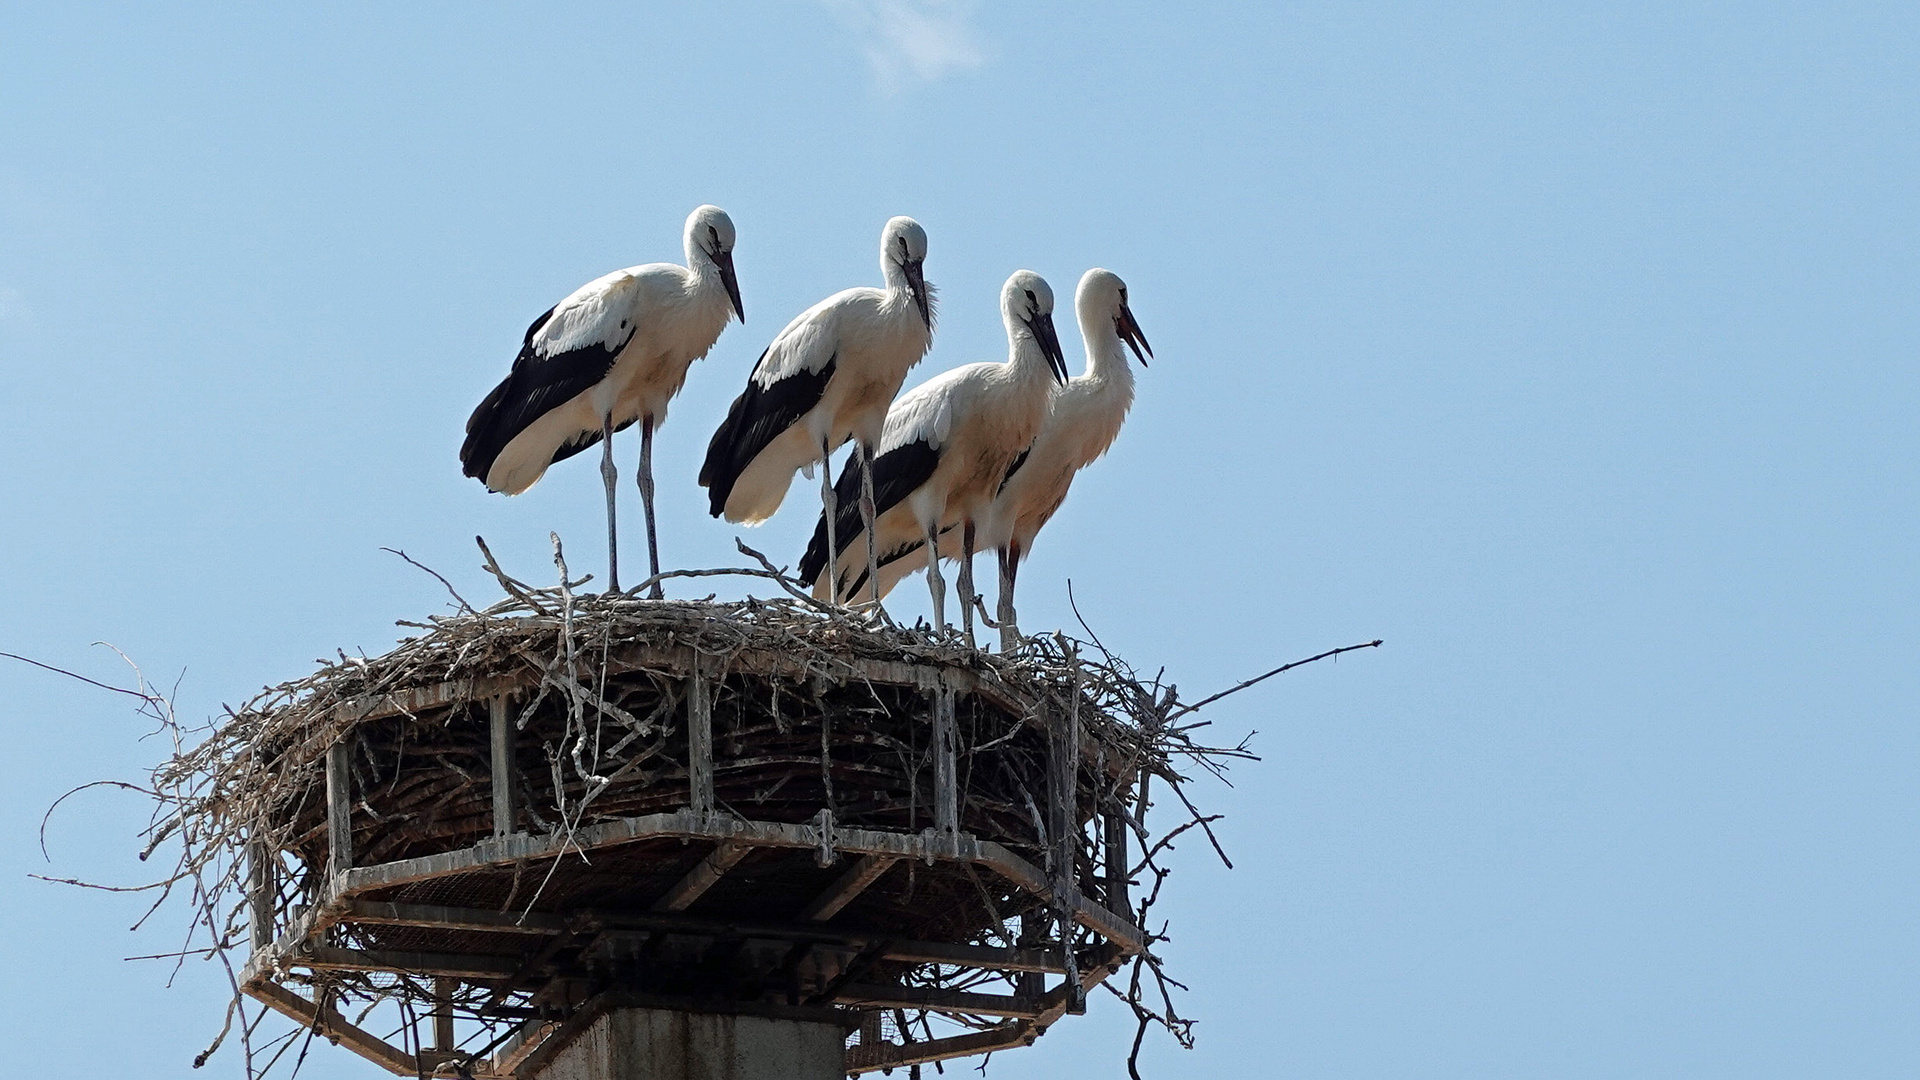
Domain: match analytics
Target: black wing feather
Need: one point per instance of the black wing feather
(536, 386)
(756, 418)
(1013, 468)
(897, 474)
(887, 558)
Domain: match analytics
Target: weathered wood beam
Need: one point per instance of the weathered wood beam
(893, 996)
(523, 1044)
(339, 807)
(865, 1058)
(1033, 930)
(443, 989)
(851, 884)
(262, 884)
(434, 917)
(330, 1023)
(419, 699)
(703, 876)
(699, 745)
(1071, 996)
(453, 965)
(500, 745)
(946, 782)
(1063, 793)
(989, 958)
(508, 850)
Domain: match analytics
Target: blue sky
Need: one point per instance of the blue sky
(1569, 349)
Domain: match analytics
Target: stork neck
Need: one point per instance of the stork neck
(1106, 353)
(895, 276)
(700, 268)
(1024, 357)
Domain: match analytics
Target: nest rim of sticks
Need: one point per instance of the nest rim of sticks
(249, 784)
(252, 783)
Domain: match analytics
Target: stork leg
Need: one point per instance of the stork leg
(966, 579)
(646, 500)
(1009, 566)
(829, 508)
(867, 513)
(934, 584)
(608, 474)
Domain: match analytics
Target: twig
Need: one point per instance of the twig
(76, 791)
(513, 588)
(457, 598)
(1184, 710)
(784, 582)
(141, 694)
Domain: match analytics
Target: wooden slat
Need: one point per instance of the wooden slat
(1063, 792)
(434, 917)
(500, 747)
(419, 699)
(889, 996)
(866, 1058)
(443, 989)
(262, 883)
(339, 807)
(979, 956)
(1033, 929)
(524, 1043)
(946, 784)
(1115, 827)
(506, 851)
(640, 927)
(455, 965)
(851, 884)
(703, 876)
(333, 1025)
(1071, 997)
(699, 745)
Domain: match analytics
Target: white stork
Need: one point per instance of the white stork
(948, 444)
(829, 376)
(614, 352)
(1086, 417)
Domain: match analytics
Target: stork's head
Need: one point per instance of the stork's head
(710, 243)
(1101, 302)
(903, 251)
(1026, 303)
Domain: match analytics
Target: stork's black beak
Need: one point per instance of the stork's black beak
(1130, 333)
(724, 260)
(917, 281)
(1049, 341)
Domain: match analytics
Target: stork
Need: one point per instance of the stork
(613, 352)
(1086, 417)
(829, 376)
(947, 445)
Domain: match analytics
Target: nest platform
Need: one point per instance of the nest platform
(524, 817)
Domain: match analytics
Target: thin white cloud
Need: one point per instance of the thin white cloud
(913, 41)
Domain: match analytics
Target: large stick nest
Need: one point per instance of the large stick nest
(601, 733)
